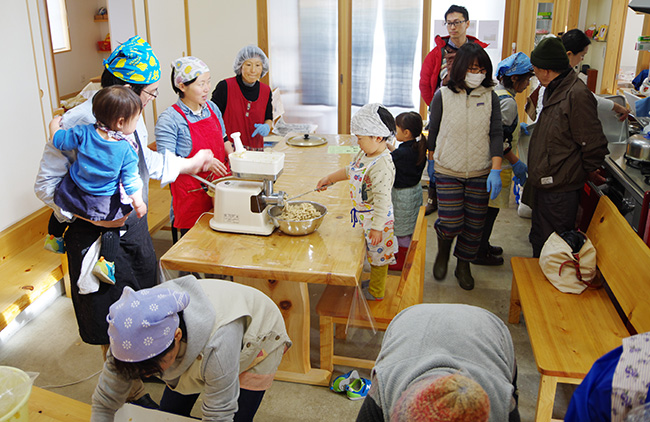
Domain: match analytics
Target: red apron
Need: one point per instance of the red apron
(241, 114)
(188, 199)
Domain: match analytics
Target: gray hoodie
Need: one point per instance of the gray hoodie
(430, 339)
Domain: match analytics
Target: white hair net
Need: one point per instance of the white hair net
(366, 122)
(250, 52)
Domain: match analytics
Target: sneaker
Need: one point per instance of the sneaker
(54, 244)
(358, 389)
(340, 384)
(368, 296)
(104, 270)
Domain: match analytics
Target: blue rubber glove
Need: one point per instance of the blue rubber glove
(431, 171)
(524, 128)
(261, 129)
(521, 172)
(494, 183)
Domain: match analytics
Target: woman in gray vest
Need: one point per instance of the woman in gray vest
(466, 135)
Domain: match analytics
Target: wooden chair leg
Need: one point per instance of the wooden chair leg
(545, 398)
(326, 343)
(515, 305)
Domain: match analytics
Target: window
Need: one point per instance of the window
(58, 17)
(304, 45)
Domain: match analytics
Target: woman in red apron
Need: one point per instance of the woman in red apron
(246, 102)
(192, 124)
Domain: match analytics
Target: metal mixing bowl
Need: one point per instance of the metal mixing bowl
(297, 228)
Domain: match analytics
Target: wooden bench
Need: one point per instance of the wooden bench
(401, 292)
(569, 332)
(27, 270)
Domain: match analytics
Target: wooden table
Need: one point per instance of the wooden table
(281, 265)
(46, 406)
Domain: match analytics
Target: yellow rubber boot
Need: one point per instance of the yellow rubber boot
(377, 287)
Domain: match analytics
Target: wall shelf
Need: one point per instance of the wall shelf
(101, 18)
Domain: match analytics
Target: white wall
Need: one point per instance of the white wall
(478, 10)
(219, 32)
(629, 56)
(167, 38)
(22, 114)
(122, 25)
(598, 12)
(74, 68)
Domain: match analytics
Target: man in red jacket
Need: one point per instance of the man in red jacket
(435, 69)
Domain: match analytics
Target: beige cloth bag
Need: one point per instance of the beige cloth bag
(568, 272)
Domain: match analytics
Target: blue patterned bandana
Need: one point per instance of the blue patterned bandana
(142, 324)
(134, 62)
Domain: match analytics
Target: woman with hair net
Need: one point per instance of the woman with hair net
(191, 124)
(244, 101)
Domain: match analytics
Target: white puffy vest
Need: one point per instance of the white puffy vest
(463, 142)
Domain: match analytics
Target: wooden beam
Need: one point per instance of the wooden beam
(154, 103)
(510, 27)
(345, 66)
(526, 22)
(615, 34)
(263, 33)
(560, 12)
(426, 43)
(573, 15)
(188, 42)
(643, 60)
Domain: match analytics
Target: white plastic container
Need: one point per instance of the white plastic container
(257, 162)
(15, 388)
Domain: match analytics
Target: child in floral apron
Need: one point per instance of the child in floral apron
(371, 175)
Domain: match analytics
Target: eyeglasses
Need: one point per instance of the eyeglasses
(476, 70)
(153, 94)
(455, 23)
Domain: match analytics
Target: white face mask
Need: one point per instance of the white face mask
(474, 80)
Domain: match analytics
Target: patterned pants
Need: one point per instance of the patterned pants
(462, 205)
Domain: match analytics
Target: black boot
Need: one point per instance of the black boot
(495, 250)
(432, 202)
(464, 275)
(440, 266)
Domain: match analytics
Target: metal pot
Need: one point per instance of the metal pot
(638, 148)
(301, 227)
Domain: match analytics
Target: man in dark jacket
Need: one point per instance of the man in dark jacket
(567, 147)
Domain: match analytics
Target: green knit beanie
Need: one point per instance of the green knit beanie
(451, 398)
(550, 54)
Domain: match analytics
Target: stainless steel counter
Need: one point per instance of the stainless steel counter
(626, 185)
